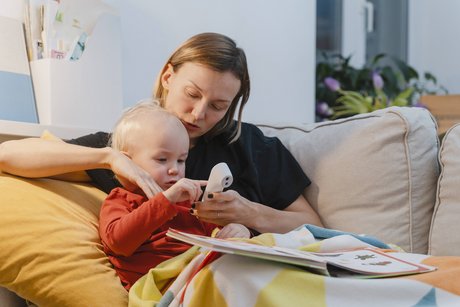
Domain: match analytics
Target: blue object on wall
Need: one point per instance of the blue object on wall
(17, 100)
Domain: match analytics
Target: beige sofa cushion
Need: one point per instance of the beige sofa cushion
(445, 227)
(373, 173)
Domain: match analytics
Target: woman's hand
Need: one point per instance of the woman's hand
(230, 207)
(131, 176)
(233, 230)
(185, 189)
(226, 208)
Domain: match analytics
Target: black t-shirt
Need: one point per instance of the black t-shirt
(263, 170)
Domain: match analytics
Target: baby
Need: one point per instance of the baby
(132, 227)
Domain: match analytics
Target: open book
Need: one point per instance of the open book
(363, 263)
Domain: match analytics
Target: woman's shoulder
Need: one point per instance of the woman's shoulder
(250, 128)
(251, 136)
(252, 133)
(98, 139)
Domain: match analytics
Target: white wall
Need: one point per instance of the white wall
(353, 31)
(434, 40)
(278, 37)
(12, 9)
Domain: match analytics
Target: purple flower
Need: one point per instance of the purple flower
(323, 109)
(418, 104)
(332, 84)
(377, 80)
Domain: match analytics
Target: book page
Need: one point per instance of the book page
(368, 261)
(365, 261)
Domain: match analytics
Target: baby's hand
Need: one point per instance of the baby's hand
(185, 189)
(234, 230)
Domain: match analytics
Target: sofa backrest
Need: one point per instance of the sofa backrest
(444, 237)
(373, 173)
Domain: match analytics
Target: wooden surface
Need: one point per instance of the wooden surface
(445, 108)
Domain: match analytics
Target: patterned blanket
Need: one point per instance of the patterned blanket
(197, 278)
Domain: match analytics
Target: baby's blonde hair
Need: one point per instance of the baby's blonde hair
(130, 121)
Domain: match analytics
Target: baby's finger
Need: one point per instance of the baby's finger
(203, 182)
(223, 233)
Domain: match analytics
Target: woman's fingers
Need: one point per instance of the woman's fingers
(149, 186)
(144, 181)
(216, 212)
(131, 176)
(227, 207)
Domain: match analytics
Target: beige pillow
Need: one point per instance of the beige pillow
(50, 249)
(373, 173)
(445, 226)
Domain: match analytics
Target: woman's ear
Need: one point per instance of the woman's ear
(166, 76)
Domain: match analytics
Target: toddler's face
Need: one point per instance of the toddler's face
(161, 153)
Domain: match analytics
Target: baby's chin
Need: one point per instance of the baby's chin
(167, 185)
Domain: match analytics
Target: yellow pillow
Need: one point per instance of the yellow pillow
(50, 251)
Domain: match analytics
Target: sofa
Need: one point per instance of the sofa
(385, 174)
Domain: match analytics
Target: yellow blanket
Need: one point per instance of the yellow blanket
(201, 279)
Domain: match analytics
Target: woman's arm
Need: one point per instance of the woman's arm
(230, 207)
(36, 157)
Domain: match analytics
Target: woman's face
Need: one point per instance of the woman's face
(199, 96)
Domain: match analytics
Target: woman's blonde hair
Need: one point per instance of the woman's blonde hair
(221, 54)
(130, 121)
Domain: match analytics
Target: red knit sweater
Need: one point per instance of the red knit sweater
(133, 231)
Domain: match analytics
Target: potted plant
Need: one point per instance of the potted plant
(343, 90)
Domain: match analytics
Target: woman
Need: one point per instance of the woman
(203, 83)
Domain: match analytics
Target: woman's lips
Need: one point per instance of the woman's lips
(189, 126)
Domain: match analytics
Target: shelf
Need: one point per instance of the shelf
(15, 130)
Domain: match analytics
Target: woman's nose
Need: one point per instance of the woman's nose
(199, 110)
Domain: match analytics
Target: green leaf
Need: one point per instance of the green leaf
(400, 102)
(354, 102)
(340, 114)
(368, 100)
(430, 77)
(377, 58)
(405, 94)
(407, 70)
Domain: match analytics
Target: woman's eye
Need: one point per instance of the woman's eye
(217, 107)
(192, 95)
(161, 159)
(181, 161)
